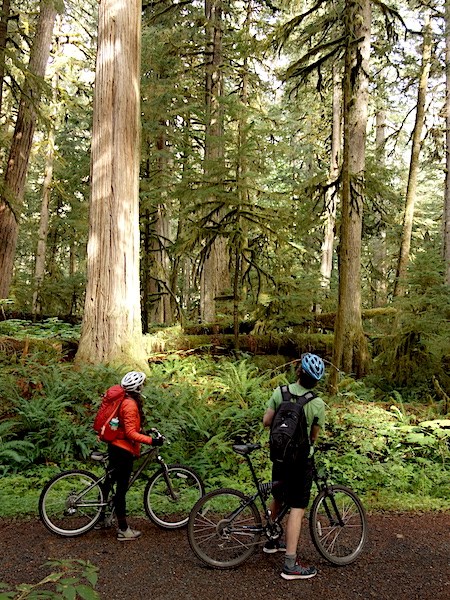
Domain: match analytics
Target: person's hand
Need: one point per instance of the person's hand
(157, 438)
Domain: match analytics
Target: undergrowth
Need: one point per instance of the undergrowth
(393, 453)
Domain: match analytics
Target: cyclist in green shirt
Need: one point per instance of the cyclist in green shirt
(294, 481)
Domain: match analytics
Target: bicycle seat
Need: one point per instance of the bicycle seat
(99, 456)
(245, 449)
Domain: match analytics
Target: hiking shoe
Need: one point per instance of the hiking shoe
(272, 546)
(298, 572)
(128, 534)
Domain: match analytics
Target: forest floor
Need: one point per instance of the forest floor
(407, 557)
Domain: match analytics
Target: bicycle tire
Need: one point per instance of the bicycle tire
(164, 510)
(338, 544)
(70, 503)
(209, 533)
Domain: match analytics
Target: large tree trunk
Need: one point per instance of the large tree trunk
(350, 345)
(111, 329)
(408, 219)
(446, 219)
(215, 273)
(11, 199)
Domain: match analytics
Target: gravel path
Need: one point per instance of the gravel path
(407, 558)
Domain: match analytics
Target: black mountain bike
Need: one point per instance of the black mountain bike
(225, 525)
(72, 502)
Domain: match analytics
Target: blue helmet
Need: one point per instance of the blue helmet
(313, 365)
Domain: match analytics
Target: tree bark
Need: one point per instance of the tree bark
(11, 199)
(408, 219)
(3, 42)
(446, 217)
(350, 345)
(326, 266)
(378, 244)
(215, 272)
(111, 329)
(39, 268)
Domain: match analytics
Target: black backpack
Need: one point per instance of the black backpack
(289, 435)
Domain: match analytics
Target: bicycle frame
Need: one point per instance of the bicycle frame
(263, 489)
(145, 458)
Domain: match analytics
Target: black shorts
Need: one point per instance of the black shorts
(292, 483)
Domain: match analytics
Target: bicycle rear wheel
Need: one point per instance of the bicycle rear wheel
(338, 525)
(70, 504)
(224, 528)
(170, 495)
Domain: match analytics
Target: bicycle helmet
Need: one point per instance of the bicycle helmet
(313, 365)
(133, 381)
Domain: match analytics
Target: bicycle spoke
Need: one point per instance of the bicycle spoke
(224, 528)
(339, 537)
(70, 504)
(170, 495)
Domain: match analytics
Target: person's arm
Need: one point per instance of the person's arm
(130, 423)
(268, 417)
(315, 430)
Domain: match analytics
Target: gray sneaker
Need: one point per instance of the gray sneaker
(128, 534)
(298, 572)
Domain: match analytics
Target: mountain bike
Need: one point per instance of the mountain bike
(72, 502)
(225, 526)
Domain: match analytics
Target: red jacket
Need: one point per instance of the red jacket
(130, 437)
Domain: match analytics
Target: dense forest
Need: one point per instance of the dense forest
(207, 189)
(270, 173)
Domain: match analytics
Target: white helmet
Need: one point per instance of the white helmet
(133, 381)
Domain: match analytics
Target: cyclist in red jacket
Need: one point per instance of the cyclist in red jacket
(126, 447)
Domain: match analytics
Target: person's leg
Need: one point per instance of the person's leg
(293, 529)
(122, 463)
(272, 546)
(298, 493)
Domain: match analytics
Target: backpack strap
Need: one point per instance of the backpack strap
(285, 393)
(303, 399)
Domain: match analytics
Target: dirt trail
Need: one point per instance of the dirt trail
(407, 558)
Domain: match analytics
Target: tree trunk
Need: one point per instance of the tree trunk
(350, 352)
(215, 272)
(331, 196)
(3, 41)
(379, 250)
(159, 281)
(408, 219)
(111, 329)
(16, 170)
(446, 219)
(39, 268)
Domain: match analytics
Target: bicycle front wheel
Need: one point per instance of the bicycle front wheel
(70, 504)
(170, 494)
(224, 528)
(338, 525)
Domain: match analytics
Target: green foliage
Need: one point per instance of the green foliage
(52, 328)
(70, 579)
(13, 453)
(377, 448)
(382, 447)
(418, 351)
(50, 409)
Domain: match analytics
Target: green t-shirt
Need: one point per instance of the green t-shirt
(314, 409)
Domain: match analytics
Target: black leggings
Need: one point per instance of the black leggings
(122, 462)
